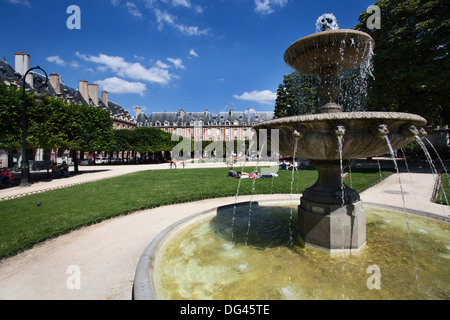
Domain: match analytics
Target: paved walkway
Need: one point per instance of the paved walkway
(106, 254)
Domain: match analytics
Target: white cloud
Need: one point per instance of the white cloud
(177, 63)
(267, 6)
(23, 2)
(57, 60)
(162, 65)
(262, 97)
(183, 3)
(164, 18)
(120, 86)
(133, 10)
(193, 53)
(135, 71)
(60, 62)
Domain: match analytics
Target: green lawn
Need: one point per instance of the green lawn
(22, 222)
(444, 191)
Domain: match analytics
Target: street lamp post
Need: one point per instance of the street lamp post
(38, 84)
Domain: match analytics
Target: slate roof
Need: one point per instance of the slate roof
(7, 72)
(238, 118)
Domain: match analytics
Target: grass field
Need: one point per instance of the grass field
(444, 192)
(23, 222)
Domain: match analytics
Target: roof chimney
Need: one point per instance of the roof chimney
(181, 113)
(22, 65)
(55, 82)
(19, 63)
(105, 98)
(138, 111)
(83, 89)
(93, 93)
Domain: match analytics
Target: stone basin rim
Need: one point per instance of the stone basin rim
(344, 116)
(333, 34)
(144, 284)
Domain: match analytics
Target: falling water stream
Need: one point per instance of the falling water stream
(253, 190)
(291, 238)
(437, 154)
(444, 168)
(340, 140)
(388, 142)
(433, 168)
(251, 145)
(427, 154)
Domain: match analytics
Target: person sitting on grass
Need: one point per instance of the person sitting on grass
(5, 178)
(65, 169)
(56, 171)
(254, 175)
(235, 174)
(270, 175)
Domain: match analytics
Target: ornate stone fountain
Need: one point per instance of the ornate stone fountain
(203, 256)
(331, 216)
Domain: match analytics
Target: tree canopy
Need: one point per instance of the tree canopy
(297, 95)
(52, 125)
(411, 63)
(411, 68)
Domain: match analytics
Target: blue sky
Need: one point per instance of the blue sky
(166, 55)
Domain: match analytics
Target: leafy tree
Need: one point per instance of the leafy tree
(47, 125)
(88, 129)
(411, 63)
(147, 139)
(11, 117)
(296, 95)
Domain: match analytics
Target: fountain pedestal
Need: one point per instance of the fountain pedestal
(333, 228)
(331, 215)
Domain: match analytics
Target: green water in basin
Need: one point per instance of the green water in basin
(222, 256)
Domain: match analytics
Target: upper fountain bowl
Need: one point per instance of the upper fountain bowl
(315, 136)
(332, 51)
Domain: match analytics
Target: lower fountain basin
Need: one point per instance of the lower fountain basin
(363, 133)
(219, 255)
